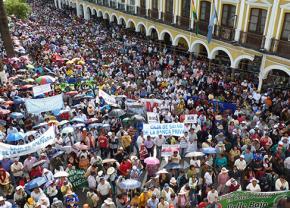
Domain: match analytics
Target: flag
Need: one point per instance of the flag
(194, 16)
(211, 24)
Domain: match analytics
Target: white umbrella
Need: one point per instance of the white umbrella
(194, 154)
(163, 171)
(60, 174)
(67, 130)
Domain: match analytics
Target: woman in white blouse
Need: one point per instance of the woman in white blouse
(254, 186)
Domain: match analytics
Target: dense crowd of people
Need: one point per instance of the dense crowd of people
(224, 150)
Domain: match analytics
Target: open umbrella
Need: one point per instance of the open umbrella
(67, 130)
(40, 162)
(37, 182)
(80, 146)
(130, 184)
(163, 171)
(45, 79)
(171, 166)
(4, 111)
(92, 120)
(16, 115)
(209, 150)
(116, 113)
(151, 161)
(194, 154)
(13, 137)
(79, 125)
(29, 133)
(59, 153)
(138, 118)
(40, 125)
(78, 120)
(109, 160)
(60, 174)
(63, 122)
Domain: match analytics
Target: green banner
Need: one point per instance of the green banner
(77, 178)
(246, 199)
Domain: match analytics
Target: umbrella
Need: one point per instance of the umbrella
(26, 87)
(138, 118)
(29, 133)
(29, 66)
(78, 120)
(92, 120)
(109, 160)
(18, 100)
(194, 154)
(209, 150)
(67, 130)
(171, 166)
(95, 125)
(40, 162)
(16, 115)
(55, 122)
(79, 125)
(37, 182)
(63, 122)
(61, 112)
(59, 153)
(116, 113)
(4, 112)
(151, 161)
(45, 79)
(130, 184)
(2, 122)
(40, 125)
(13, 137)
(80, 146)
(163, 171)
(72, 93)
(60, 174)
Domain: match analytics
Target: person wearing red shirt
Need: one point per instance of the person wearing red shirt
(36, 172)
(125, 167)
(103, 145)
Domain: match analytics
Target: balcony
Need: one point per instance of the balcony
(131, 9)
(252, 40)
(202, 27)
(281, 48)
(224, 33)
(100, 2)
(113, 4)
(121, 7)
(167, 17)
(141, 11)
(106, 3)
(183, 22)
(153, 14)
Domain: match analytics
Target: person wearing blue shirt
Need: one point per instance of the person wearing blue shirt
(248, 155)
(153, 201)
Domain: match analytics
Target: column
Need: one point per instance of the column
(59, 4)
(148, 6)
(260, 82)
(239, 20)
(86, 13)
(270, 30)
(160, 9)
(56, 3)
(176, 12)
(79, 13)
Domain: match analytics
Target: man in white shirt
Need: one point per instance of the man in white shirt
(4, 204)
(17, 170)
(212, 196)
(104, 189)
(281, 184)
(241, 163)
(159, 141)
(28, 162)
(208, 177)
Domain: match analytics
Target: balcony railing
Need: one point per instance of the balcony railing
(183, 22)
(153, 14)
(141, 11)
(106, 3)
(167, 17)
(131, 9)
(100, 2)
(224, 33)
(113, 4)
(202, 27)
(281, 48)
(121, 7)
(252, 40)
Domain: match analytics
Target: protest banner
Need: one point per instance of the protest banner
(192, 118)
(168, 149)
(9, 151)
(165, 129)
(151, 103)
(241, 199)
(153, 117)
(36, 106)
(109, 99)
(41, 89)
(77, 178)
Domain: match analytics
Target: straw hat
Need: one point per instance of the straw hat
(220, 127)
(224, 170)
(254, 179)
(172, 181)
(110, 170)
(218, 117)
(30, 201)
(109, 201)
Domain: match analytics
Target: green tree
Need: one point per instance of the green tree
(19, 8)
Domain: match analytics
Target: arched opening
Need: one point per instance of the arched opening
(277, 79)
(154, 34)
(182, 45)
(142, 29)
(114, 19)
(167, 40)
(94, 14)
(81, 11)
(131, 26)
(89, 12)
(122, 22)
(100, 14)
(200, 51)
(222, 58)
(106, 16)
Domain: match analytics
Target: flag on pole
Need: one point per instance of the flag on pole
(194, 16)
(211, 24)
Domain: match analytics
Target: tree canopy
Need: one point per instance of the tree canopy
(19, 8)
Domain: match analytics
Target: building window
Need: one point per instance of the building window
(286, 28)
(155, 4)
(132, 2)
(169, 6)
(257, 21)
(228, 17)
(205, 11)
(185, 8)
(143, 4)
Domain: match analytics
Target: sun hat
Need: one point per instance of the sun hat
(172, 181)
(18, 188)
(254, 179)
(109, 201)
(224, 170)
(2, 198)
(100, 173)
(110, 170)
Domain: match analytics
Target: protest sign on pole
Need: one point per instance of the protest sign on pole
(168, 149)
(41, 89)
(36, 106)
(191, 118)
(165, 129)
(9, 151)
(239, 199)
(109, 99)
(77, 178)
(151, 103)
(153, 117)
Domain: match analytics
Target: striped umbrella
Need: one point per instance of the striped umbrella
(45, 79)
